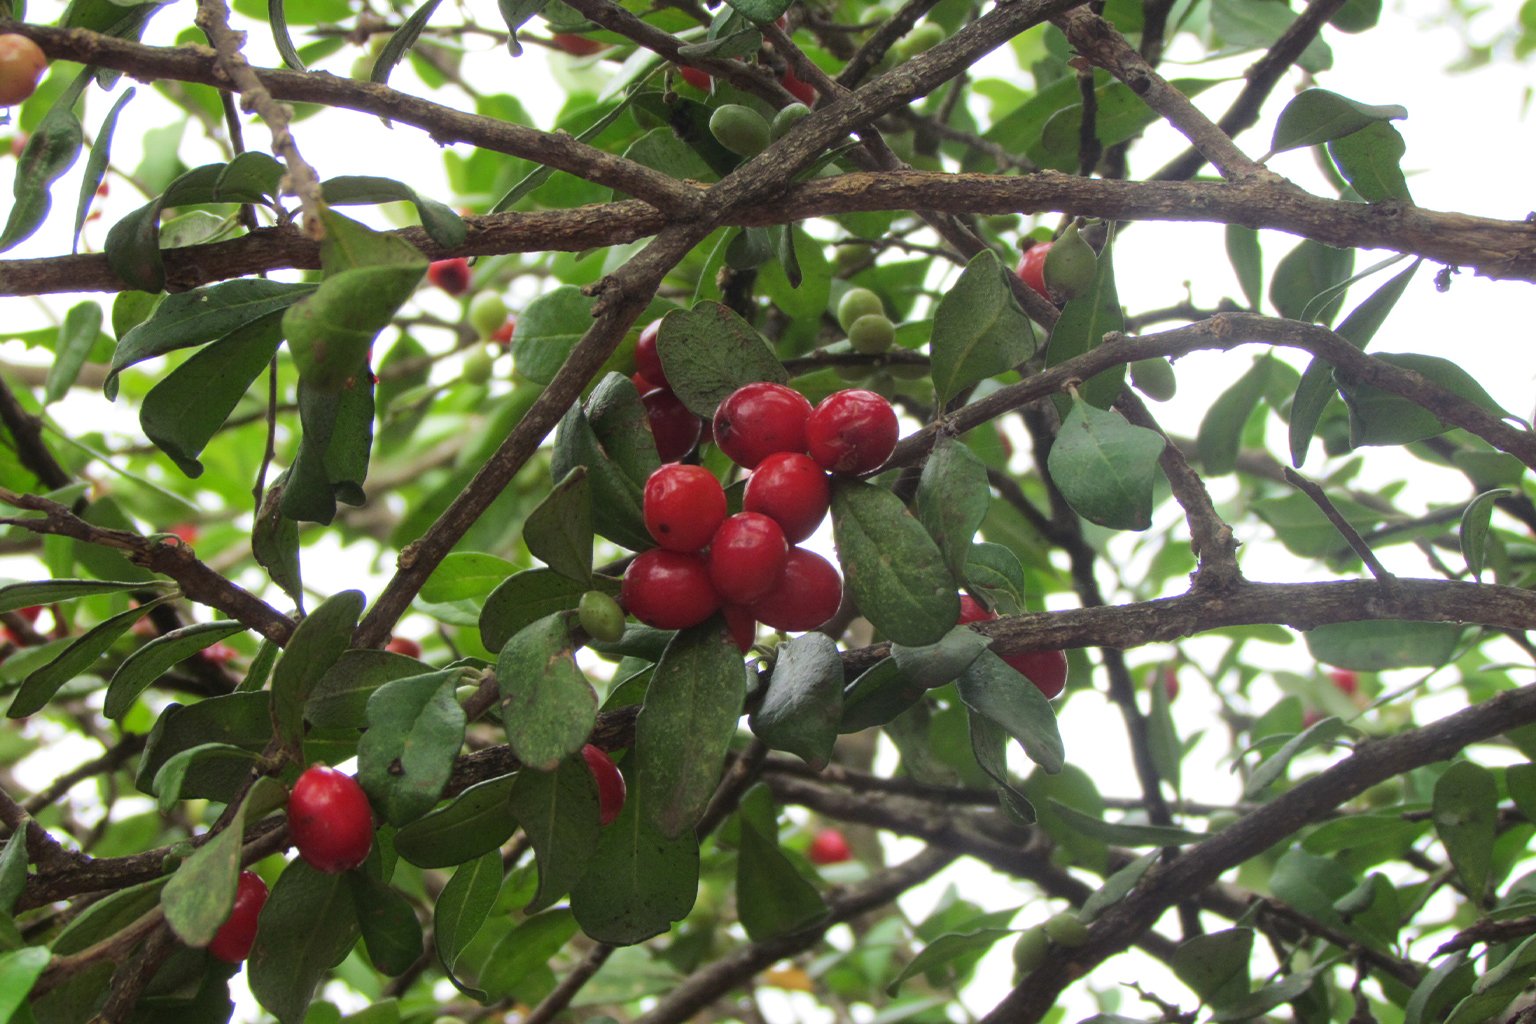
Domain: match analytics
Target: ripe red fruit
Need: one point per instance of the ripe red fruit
(1347, 682)
(792, 490)
(683, 506)
(1032, 268)
(1046, 669)
(188, 532)
(329, 820)
(668, 589)
(700, 80)
(610, 784)
(757, 420)
(851, 432)
(647, 362)
(829, 847)
(577, 46)
(22, 64)
(803, 91)
(741, 624)
(31, 612)
(504, 333)
(675, 429)
(220, 653)
(452, 276)
(746, 557)
(1169, 676)
(232, 942)
(806, 595)
(972, 611)
(404, 645)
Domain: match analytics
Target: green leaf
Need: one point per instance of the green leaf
(936, 957)
(275, 542)
(1119, 832)
(1247, 261)
(51, 150)
(388, 923)
(1215, 965)
(994, 570)
(1449, 982)
(772, 898)
(141, 668)
(19, 970)
(1473, 533)
(462, 908)
(1081, 328)
(478, 820)
(1221, 431)
(547, 704)
(952, 499)
(1494, 990)
(16, 596)
(240, 719)
(989, 745)
(186, 407)
(1371, 161)
(13, 872)
(333, 449)
(524, 599)
(804, 701)
(558, 812)
(1117, 886)
(1120, 114)
(215, 758)
(993, 688)
(526, 949)
(1379, 417)
(611, 437)
(38, 688)
(77, 336)
(1163, 745)
(547, 331)
(401, 41)
(307, 927)
(691, 711)
(761, 11)
(709, 351)
(1105, 467)
(315, 646)
(979, 330)
(891, 565)
(339, 700)
(198, 897)
(442, 224)
(559, 531)
(638, 882)
(1308, 283)
(465, 575)
(1317, 115)
(1466, 814)
(1273, 767)
(937, 664)
(277, 17)
(415, 730)
(1244, 25)
(1375, 646)
(877, 696)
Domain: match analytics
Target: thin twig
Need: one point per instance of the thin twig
(1346, 530)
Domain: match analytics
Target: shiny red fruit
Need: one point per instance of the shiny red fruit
(452, 276)
(829, 847)
(1169, 677)
(806, 595)
(803, 91)
(851, 432)
(647, 362)
(792, 490)
(610, 784)
(30, 612)
(329, 820)
(404, 645)
(1046, 669)
(22, 63)
(757, 420)
(742, 625)
(674, 428)
(668, 589)
(746, 557)
(1032, 268)
(1347, 682)
(218, 652)
(232, 942)
(683, 506)
(577, 46)
(187, 532)
(972, 611)
(700, 80)
(503, 335)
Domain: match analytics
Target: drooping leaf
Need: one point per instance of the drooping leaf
(1221, 430)
(1466, 813)
(1317, 115)
(184, 769)
(879, 695)
(935, 958)
(77, 336)
(610, 437)
(993, 688)
(19, 970)
(804, 702)
(1308, 282)
(523, 599)
(547, 704)
(558, 811)
(388, 924)
(1378, 417)
(558, 531)
(1371, 161)
(940, 663)
(772, 898)
(1105, 467)
(1247, 261)
(989, 745)
(638, 881)
(1215, 965)
(1374, 646)
(415, 730)
(51, 150)
(315, 646)
(401, 41)
(198, 897)
(709, 351)
(952, 499)
(1273, 767)
(462, 908)
(1081, 328)
(307, 927)
(1473, 533)
(526, 949)
(141, 668)
(478, 820)
(979, 330)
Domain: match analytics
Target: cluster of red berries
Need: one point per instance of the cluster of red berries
(675, 429)
(1046, 669)
(749, 564)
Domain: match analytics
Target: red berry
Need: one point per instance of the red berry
(851, 432)
(577, 46)
(1347, 682)
(803, 91)
(1032, 268)
(188, 532)
(675, 429)
(404, 645)
(1046, 669)
(504, 333)
(232, 942)
(219, 652)
(610, 784)
(22, 63)
(829, 847)
(700, 80)
(647, 362)
(792, 490)
(329, 820)
(30, 612)
(452, 276)
(757, 420)
(683, 506)
(746, 557)
(806, 595)
(972, 611)
(668, 589)
(742, 626)
(1169, 676)
(642, 384)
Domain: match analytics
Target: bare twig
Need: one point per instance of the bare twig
(1351, 536)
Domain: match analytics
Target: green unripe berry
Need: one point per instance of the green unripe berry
(857, 302)
(1030, 950)
(872, 334)
(739, 129)
(920, 40)
(487, 312)
(1067, 930)
(478, 365)
(1154, 378)
(786, 119)
(1070, 265)
(847, 256)
(601, 616)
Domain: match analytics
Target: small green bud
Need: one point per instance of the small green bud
(1154, 378)
(786, 119)
(871, 334)
(601, 616)
(1070, 265)
(740, 129)
(487, 312)
(1066, 929)
(1030, 950)
(857, 302)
